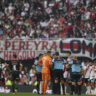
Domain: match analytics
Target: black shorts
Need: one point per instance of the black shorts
(95, 81)
(86, 80)
(76, 77)
(65, 79)
(39, 76)
(0, 72)
(58, 74)
(15, 76)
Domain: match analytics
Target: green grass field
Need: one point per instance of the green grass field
(30, 94)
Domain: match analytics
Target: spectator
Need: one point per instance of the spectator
(47, 19)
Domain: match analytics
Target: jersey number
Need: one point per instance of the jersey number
(14, 67)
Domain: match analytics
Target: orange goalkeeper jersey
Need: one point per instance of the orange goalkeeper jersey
(46, 62)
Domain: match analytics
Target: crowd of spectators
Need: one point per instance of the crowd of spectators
(30, 19)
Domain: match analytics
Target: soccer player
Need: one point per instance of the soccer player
(58, 74)
(52, 71)
(69, 69)
(2, 65)
(15, 67)
(87, 82)
(76, 76)
(46, 64)
(38, 72)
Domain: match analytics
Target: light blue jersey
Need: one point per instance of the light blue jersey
(38, 68)
(53, 60)
(76, 66)
(59, 63)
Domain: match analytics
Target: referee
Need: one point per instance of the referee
(76, 76)
(58, 74)
(38, 72)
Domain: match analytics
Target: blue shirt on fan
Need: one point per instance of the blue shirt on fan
(59, 63)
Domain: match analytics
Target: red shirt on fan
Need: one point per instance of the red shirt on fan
(93, 13)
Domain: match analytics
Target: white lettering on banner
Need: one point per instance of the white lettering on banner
(22, 55)
(31, 45)
(26, 49)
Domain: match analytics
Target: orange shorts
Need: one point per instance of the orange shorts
(46, 76)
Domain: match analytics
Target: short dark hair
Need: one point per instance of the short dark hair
(15, 56)
(40, 55)
(69, 52)
(53, 54)
(57, 53)
(48, 52)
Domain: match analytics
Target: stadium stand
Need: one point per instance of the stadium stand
(29, 19)
(48, 19)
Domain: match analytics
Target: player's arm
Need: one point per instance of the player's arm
(40, 62)
(81, 69)
(50, 61)
(65, 62)
(51, 65)
(21, 67)
(6, 64)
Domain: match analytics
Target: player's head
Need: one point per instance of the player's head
(68, 54)
(75, 58)
(95, 62)
(85, 62)
(54, 55)
(49, 53)
(33, 67)
(57, 54)
(40, 55)
(91, 63)
(15, 56)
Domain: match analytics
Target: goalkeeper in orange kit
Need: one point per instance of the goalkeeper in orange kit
(46, 63)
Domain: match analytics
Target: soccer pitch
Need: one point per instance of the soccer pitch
(31, 94)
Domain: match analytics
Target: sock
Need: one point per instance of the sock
(42, 88)
(88, 90)
(76, 89)
(72, 89)
(63, 88)
(38, 87)
(45, 87)
(13, 88)
(79, 89)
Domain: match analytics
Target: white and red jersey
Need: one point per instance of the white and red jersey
(93, 73)
(87, 71)
(65, 75)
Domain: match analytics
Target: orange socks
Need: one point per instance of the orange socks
(45, 87)
(42, 88)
